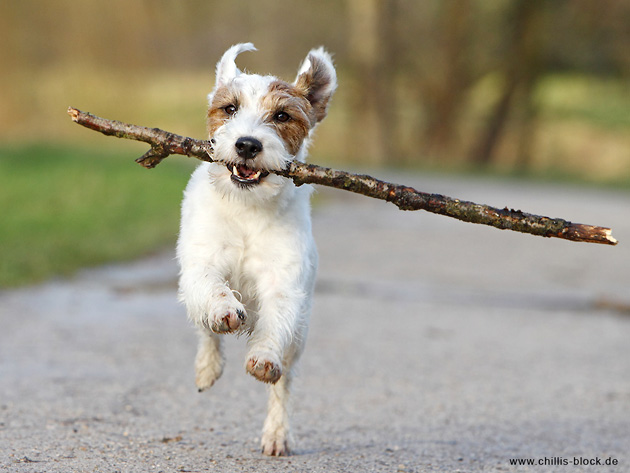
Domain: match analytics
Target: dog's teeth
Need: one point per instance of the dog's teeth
(253, 177)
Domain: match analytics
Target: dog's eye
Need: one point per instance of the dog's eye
(230, 109)
(282, 117)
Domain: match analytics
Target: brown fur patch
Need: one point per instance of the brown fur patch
(283, 97)
(217, 116)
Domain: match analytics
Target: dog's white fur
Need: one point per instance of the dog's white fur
(248, 259)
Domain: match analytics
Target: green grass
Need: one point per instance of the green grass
(65, 208)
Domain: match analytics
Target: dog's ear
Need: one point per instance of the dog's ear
(226, 67)
(317, 80)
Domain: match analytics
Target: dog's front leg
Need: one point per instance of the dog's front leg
(214, 309)
(280, 327)
(210, 303)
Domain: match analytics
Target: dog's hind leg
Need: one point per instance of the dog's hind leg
(209, 361)
(276, 436)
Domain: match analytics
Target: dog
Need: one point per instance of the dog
(246, 251)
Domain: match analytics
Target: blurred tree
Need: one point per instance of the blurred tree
(520, 68)
(372, 55)
(444, 84)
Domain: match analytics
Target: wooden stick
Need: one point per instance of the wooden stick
(164, 144)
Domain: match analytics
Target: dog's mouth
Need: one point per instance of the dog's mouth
(246, 176)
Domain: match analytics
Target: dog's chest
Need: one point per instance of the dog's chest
(259, 239)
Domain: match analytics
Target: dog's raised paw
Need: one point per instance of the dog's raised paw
(263, 370)
(229, 321)
(225, 314)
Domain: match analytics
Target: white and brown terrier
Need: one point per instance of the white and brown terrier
(248, 259)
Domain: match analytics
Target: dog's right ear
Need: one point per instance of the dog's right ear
(226, 67)
(317, 79)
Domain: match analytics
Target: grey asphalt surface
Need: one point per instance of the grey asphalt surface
(435, 346)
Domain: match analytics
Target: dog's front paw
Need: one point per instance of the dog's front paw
(225, 314)
(263, 370)
(227, 321)
(275, 445)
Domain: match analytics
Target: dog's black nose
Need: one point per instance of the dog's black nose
(248, 147)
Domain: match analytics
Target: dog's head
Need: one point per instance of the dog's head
(259, 123)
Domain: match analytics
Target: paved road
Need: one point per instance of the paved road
(435, 346)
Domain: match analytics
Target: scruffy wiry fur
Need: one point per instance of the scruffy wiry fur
(246, 251)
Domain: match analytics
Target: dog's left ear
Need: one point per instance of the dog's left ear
(317, 79)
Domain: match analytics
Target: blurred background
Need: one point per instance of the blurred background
(534, 88)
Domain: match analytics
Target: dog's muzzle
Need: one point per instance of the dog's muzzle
(247, 148)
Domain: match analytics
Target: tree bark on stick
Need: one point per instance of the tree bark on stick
(164, 143)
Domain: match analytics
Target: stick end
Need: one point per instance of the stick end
(74, 114)
(609, 238)
(588, 233)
